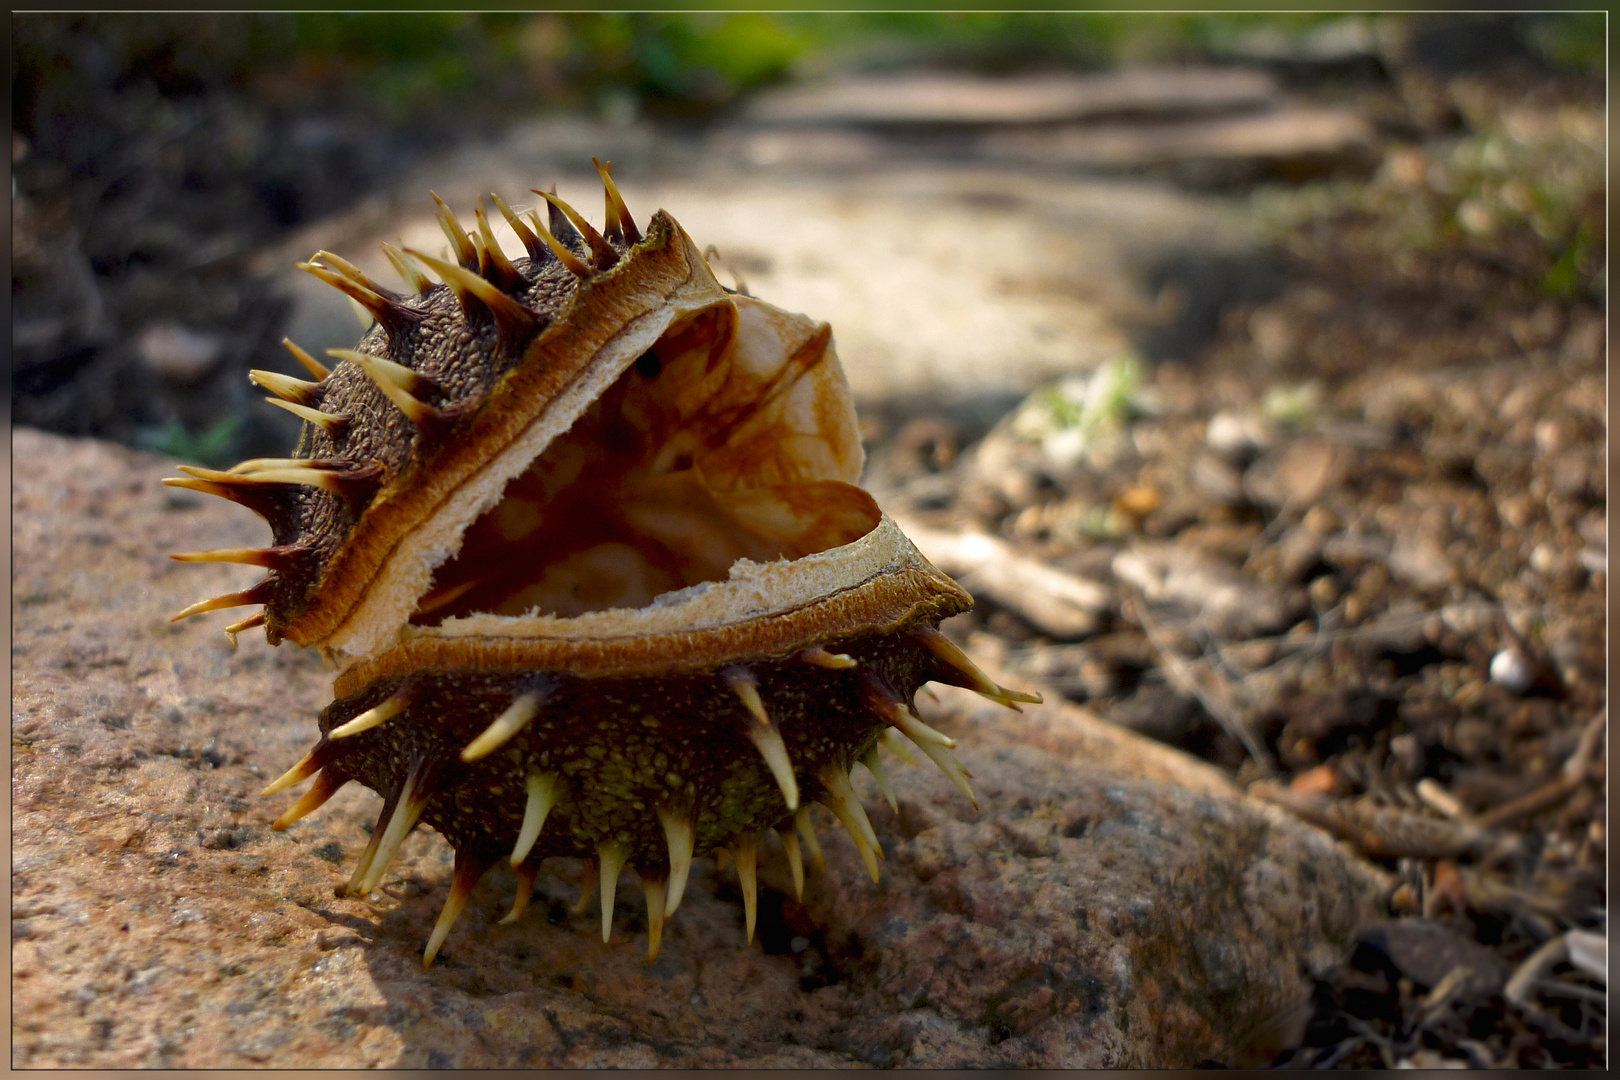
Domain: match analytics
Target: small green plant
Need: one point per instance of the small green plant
(214, 447)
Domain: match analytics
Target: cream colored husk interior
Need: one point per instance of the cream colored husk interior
(805, 436)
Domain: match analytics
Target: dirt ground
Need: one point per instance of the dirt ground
(1341, 533)
(1353, 549)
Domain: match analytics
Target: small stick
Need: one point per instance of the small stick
(1518, 987)
(1431, 792)
(1570, 777)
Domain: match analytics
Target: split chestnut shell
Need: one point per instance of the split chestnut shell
(582, 533)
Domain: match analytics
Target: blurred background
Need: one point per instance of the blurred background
(162, 165)
(1271, 346)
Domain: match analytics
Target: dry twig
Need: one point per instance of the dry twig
(1571, 777)
(1054, 601)
(1377, 830)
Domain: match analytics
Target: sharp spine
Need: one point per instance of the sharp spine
(285, 387)
(952, 769)
(390, 378)
(912, 727)
(392, 314)
(936, 745)
(611, 855)
(324, 479)
(746, 853)
(372, 717)
(506, 725)
(466, 875)
(327, 422)
(763, 733)
(602, 253)
(820, 657)
(311, 365)
(538, 252)
(655, 890)
(414, 278)
(261, 464)
(325, 786)
(678, 832)
(459, 243)
(257, 500)
(306, 767)
(370, 853)
(790, 844)
(541, 793)
(880, 775)
(891, 708)
(846, 807)
(276, 558)
(611, 228)
(615, 204)
(413, 798)
(485, 267)
(381, 368)
(506, 276)
(353, 273)
(525, 889)
(807, 831)
(511, 318)
(892, 741)
(587, 885)
(353, 485)
(968, 675)
(768, 741)
(567, 258)
(258, 594)
(245, 624)
(744, 685)
(560, 226)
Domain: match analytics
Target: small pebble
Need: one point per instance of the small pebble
(1513, 670)
(1405, 899)
(1551, 436)
(1234, 435)
(1543, 559)
(1320, 520)
(1139, 500)
(1323, 592)
(1322, 780)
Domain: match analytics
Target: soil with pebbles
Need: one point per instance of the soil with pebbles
(1354, 550)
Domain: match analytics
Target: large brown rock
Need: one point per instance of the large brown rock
(1110, 903)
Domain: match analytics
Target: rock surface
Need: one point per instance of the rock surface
(1111, 902)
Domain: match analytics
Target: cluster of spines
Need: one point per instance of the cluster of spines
(482, 279)
(403, 808)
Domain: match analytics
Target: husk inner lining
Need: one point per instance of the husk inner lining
(732, 438)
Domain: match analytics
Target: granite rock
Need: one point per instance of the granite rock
(1110, 902)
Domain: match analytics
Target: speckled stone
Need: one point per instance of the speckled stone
(1111, 903)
